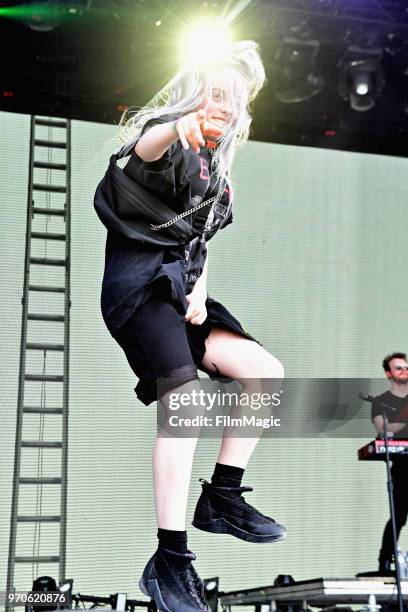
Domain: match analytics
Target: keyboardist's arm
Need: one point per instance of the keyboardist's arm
(378, 423)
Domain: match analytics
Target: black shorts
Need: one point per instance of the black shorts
(158, 341)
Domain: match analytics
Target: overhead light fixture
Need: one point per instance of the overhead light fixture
(299, 78)
(362, 78)
(44, 16)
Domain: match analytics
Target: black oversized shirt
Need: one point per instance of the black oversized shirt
(182, 179)
(399, 415)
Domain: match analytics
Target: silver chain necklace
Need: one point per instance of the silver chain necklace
(216, 199)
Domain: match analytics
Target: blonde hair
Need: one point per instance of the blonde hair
(244, 75)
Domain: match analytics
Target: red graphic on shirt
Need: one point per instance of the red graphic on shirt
(204, 172)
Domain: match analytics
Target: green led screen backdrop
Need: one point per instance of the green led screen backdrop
(314, 267)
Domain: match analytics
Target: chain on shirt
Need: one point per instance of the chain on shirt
(196, 250)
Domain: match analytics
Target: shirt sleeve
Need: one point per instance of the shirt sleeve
(376, 410)
(165, 176)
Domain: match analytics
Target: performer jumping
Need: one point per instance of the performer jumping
(396, 370)
(155, 304)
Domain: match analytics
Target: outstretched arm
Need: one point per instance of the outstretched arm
(155, 142)
(191, 129)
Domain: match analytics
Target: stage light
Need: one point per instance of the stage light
(362, 77)
(298, 75)
(362, 84)
(211, 592)
(44, 584)
(205, 42)
(283, 580)
(66, 588)
(41, 16)
(211, 585)
(44, 16)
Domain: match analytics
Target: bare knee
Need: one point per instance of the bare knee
(268, 366)
(276, 367)
(239, 358)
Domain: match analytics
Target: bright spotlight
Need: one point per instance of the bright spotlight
(362, 77)
(362, 84)
(205, 42)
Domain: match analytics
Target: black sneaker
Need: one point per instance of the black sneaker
(223, 510)
(171, 588)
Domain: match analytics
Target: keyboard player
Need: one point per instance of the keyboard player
(396, 370)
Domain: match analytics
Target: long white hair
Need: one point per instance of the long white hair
(243, 74)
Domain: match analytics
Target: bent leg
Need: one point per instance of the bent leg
(246, 361)
(221, 508)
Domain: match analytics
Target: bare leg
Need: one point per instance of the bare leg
(172, 463)
(246, 361)
(240, 359)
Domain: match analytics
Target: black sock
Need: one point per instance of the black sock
(175, 541)
(227, 475)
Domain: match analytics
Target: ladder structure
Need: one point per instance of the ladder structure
(39, 496)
